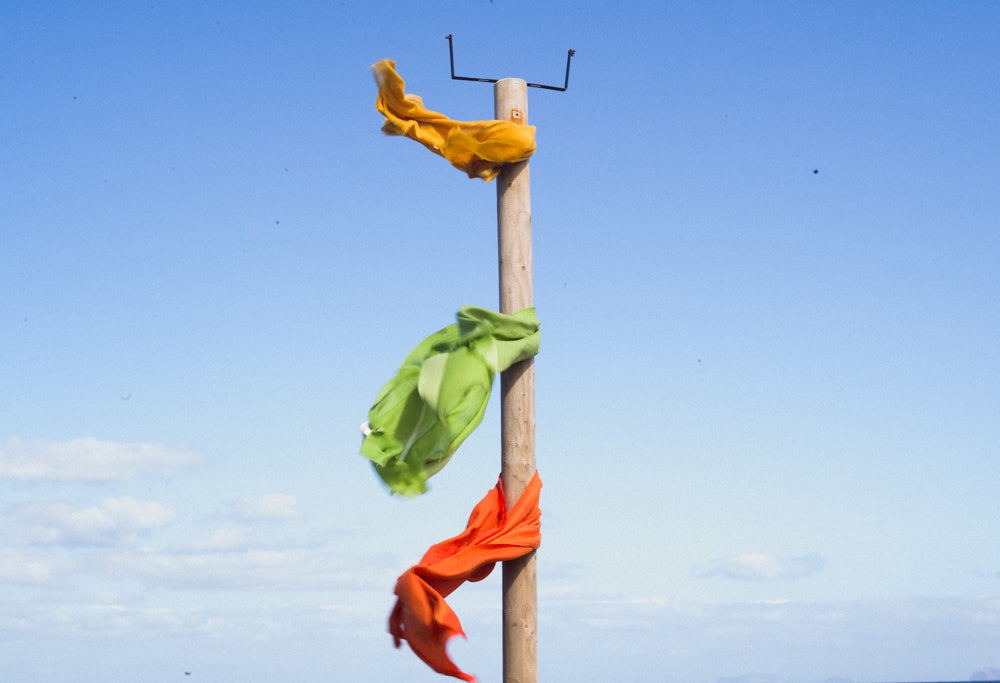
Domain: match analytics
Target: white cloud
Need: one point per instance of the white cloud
(271, 506)
(256, 569)
(90, 460)
(30, 569)
(229, 539)
(116, 521)
(908, 639)
(763, 567)
(144, 639)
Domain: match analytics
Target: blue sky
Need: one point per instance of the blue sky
(766, 250)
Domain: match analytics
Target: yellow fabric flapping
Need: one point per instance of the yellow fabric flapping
(480, 148)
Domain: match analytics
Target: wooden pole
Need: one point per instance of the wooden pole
(517, 391)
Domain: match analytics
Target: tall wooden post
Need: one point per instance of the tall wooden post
(517, 391)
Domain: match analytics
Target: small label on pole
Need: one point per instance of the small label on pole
(515, 116)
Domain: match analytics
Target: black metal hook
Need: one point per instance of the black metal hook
(451, 53)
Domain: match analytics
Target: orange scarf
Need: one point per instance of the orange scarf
(421, 616)
(480, 148)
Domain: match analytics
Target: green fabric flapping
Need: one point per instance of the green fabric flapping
(439, 395)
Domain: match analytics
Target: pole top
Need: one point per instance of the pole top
(451, 53)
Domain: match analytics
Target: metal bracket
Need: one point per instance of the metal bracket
(451, 53)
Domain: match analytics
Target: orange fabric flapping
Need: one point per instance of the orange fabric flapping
(480, 148)
(421, 616)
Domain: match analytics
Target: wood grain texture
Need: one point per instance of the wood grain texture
(517, 391)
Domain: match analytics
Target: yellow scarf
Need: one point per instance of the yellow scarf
(480, 148)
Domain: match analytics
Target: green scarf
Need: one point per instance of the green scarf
(439, 395)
